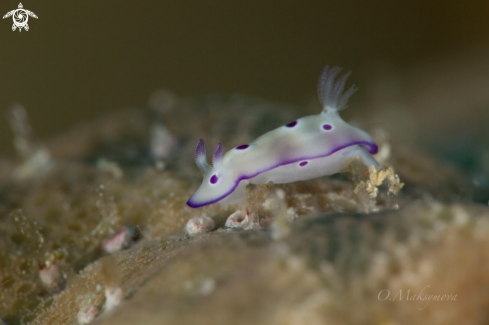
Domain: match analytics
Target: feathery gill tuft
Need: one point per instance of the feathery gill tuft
(330, 91)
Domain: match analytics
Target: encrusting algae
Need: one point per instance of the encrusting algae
(106, 225)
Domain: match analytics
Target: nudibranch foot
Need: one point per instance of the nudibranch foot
(359, 151)
(237, 196)
(309, 147)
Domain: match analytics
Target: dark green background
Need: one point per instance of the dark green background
(81, 58)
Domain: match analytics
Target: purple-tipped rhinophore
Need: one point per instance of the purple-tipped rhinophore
(217, 158)
(200, 158)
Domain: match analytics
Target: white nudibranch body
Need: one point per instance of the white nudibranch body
(307, 148)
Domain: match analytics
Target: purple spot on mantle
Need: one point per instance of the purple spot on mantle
(327, 127)
(214, 179)
(302, 164)
(292, 124)
(242, 147)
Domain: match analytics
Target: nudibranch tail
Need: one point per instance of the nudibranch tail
(330, 91)
(217, 157)
(200, 157)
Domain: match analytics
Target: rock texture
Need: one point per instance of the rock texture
(308, 254)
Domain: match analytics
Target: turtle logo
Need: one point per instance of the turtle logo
(20, 17)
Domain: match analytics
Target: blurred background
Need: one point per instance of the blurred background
(422, 69)
(416, 60)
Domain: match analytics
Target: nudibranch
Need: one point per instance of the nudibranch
(309, 147)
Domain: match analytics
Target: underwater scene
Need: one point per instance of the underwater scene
(231, 162)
